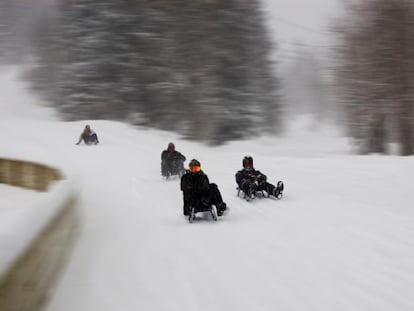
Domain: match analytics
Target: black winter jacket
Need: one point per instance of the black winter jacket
(195, 184)
(250, 175)
(167, 156)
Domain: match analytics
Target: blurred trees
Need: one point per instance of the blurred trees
(200, 68)
(375, 72)
(15, 25)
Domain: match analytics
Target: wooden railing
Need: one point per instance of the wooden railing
(28, 281)
(27, 174)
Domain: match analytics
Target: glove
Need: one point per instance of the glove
(261, 179)
(252, 177)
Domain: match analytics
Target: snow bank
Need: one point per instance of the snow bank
(36, 230)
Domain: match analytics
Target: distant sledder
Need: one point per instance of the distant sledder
(253, 183)
(172, 162)
(88, 136)
(199, 195)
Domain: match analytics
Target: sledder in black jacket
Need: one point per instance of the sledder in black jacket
(251, 180)
(172, 161)
(197, 190)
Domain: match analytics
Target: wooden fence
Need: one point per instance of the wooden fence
(28, 283)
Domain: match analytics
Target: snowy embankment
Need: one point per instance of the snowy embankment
(24, 216)
(342, 238)
(38, 216)
(37, 227)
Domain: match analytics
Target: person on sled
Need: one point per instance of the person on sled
(88, 136)
(172, 161)
(251, 180)
(198, 191)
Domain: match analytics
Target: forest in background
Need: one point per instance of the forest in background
(203, 68)
(200, 68)
(375, 74)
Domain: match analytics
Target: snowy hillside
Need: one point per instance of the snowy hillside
(342, 238)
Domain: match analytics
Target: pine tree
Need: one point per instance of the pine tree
(376, 74)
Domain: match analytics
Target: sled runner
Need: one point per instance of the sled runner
(202, 209)
(255, 192)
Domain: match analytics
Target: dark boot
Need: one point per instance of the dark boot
(280, 186)
(278, 191)
(221, 207)
(187, 211)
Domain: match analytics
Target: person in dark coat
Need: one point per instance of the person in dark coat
(88, 136)
(251, 180)
(172, 161)
(197, 190)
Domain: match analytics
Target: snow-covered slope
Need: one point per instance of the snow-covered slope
(342, 238)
